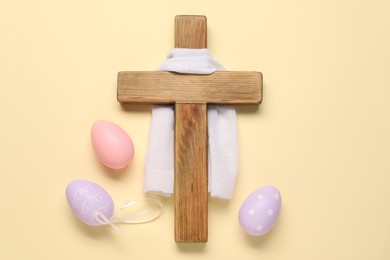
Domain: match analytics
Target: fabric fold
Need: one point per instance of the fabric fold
(222, 133)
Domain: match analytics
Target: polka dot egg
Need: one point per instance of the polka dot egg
(87, 200)
(260, 210)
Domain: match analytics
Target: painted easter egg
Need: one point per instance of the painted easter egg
(260, 210)
(89, 202)
(113, 146)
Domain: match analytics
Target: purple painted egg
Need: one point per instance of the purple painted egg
(87, 200)
(260, 210)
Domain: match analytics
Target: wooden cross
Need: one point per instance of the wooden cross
(190, 95)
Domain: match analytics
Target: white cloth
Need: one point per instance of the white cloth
(222, 133)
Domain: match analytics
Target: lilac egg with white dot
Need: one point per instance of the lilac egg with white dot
(89, 202)
(260, 210)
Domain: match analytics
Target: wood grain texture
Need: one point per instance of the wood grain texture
(190, 189)
(190, 195)
(221, 87)
(191, 31)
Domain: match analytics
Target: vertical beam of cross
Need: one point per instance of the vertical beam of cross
(190, 187)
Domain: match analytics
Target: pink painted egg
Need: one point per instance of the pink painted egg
(260, 210)
(89, 202)
(113, 146)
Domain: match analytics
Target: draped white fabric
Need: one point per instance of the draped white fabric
(222, 133)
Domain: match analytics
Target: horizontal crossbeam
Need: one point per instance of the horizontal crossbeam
(160, 87)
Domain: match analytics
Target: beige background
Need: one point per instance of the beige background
(322, 134)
